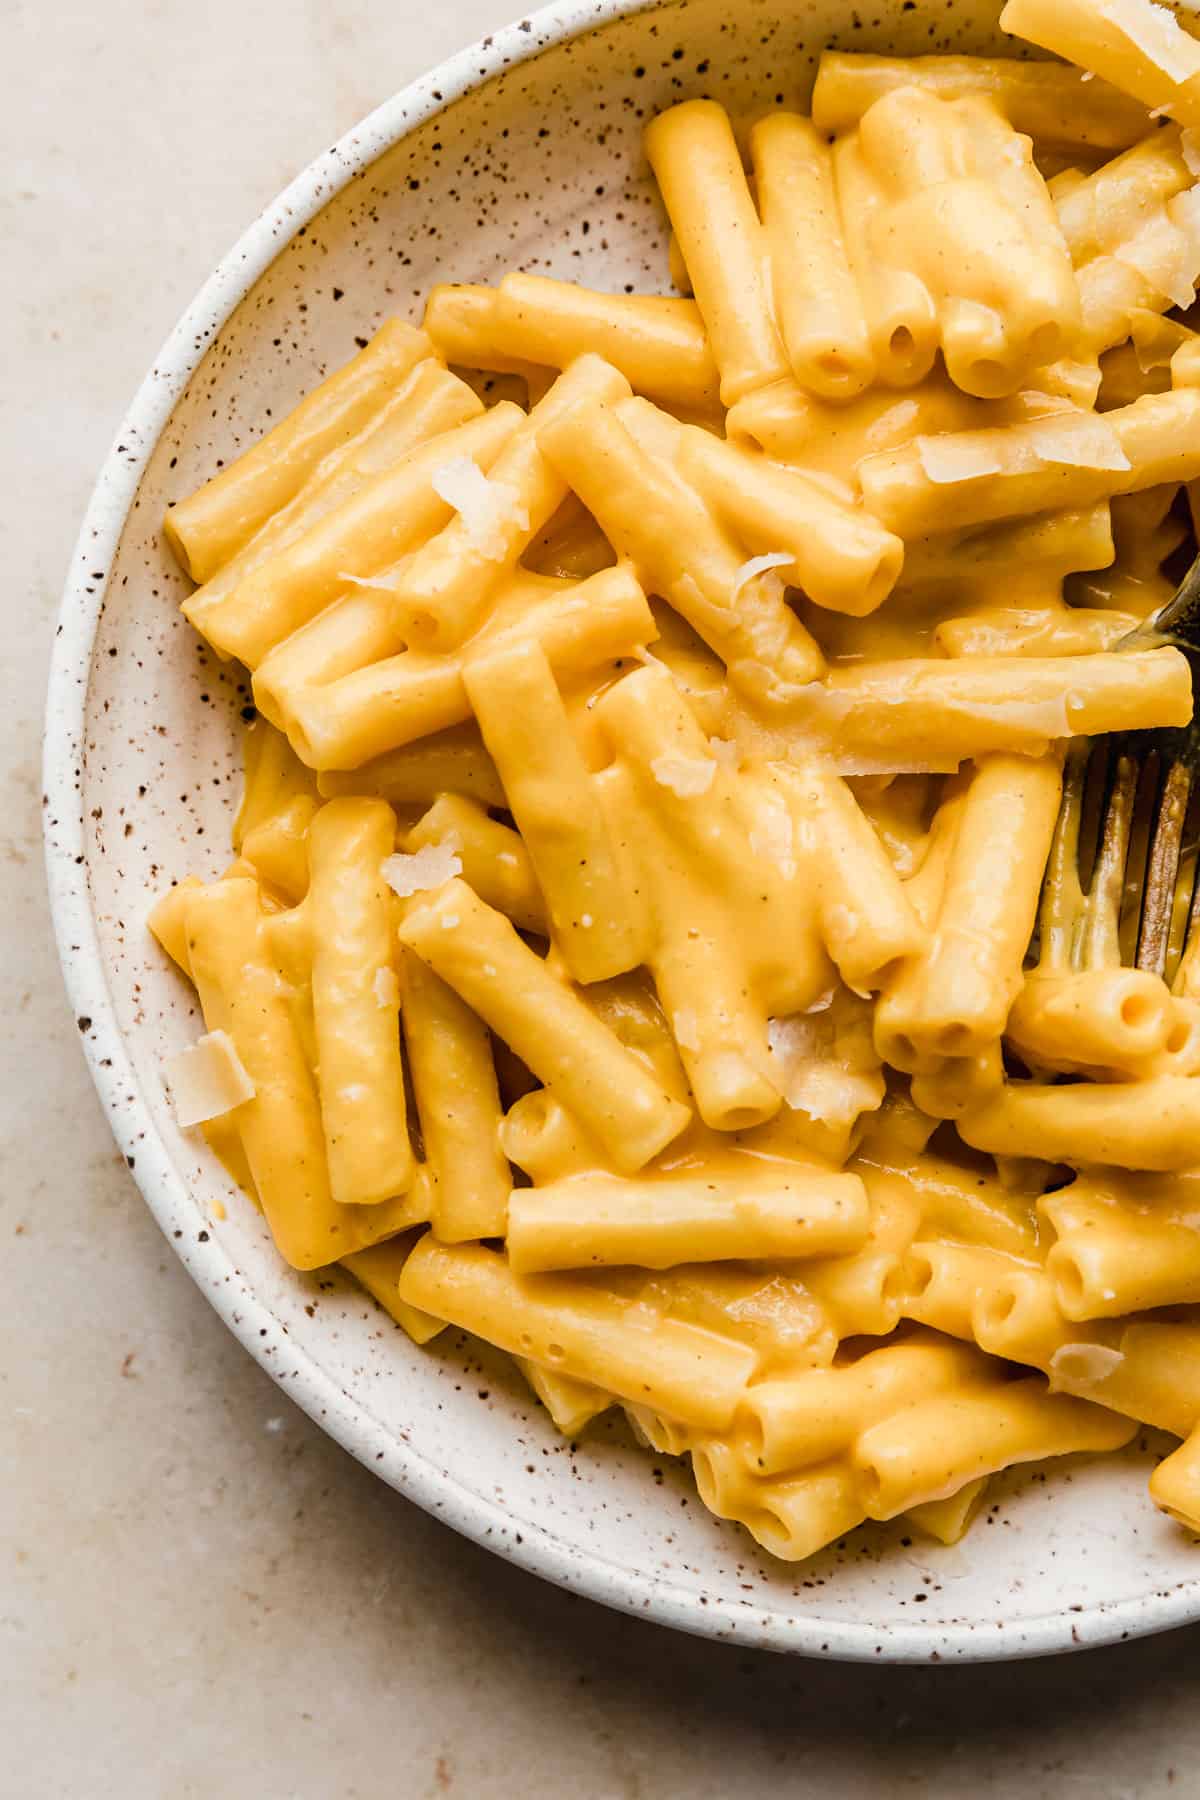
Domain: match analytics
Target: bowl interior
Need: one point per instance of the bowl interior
(537, 169)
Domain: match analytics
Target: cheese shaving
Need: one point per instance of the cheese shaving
(686, 776)
(758, 565)
(1154, 33)
(956, 456)
(208, 1080)
(1078, 440)
(1163, 255)
(726, 752)
(1189, 145)
(812, 1078)
(1082, 1365)
(426, 868)
(485, 507)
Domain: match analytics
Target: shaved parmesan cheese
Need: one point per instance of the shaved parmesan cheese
(208, 1080)
(684, 775)
(427, 868)
(758, 565)
(1078, 440)
(1189, 144)
(1154, 33)
(958, 456)
(726, 752)
(812, 1078)
(386, 987)
(1164, 254)
(485, 507)
(1082, 1365)
(686, 1030)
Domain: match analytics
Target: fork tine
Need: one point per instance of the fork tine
(1062, 895)
(1099, 939)
(1162, 870)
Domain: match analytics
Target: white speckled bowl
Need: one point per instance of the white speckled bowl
(522, 152)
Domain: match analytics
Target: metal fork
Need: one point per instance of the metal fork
(1131, 812)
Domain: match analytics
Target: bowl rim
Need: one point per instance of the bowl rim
(348, 1420)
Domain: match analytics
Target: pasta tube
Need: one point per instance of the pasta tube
(1144, 1369)
(242, 993)
(964, 212)
(791, 1516)
(1019, 631)
(658, 344)
(949, 1520)
(935, 713)
(381, 522)
(1175, 1484)
(597, 1220)
(1096, 1018)
(453, 761)
(865, 918)
(816, 298)
(494, 860)
(1133, 1125)
(429, 401)
(947, 1281)
(934, 1447)
(278, 802)
(813, 1416)
(1121, 1250)
(378, 1270)
(841, 556)
(954, 999)
(356, 1002)
(477, 952)
(571, 1404)
(551, 796)
(383, 706)
(444, 591)
(692, 151)
(460, 320)
(901, 318)
(1059, 461)
(650, 514)
(581, 1330)
(214, 523)
(458, 1104)
(1047, 101)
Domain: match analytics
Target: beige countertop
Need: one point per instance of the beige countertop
(200, 1595)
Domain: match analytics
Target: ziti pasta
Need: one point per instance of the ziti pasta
(654, 940)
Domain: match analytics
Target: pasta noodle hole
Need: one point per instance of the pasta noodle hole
(1068, 1279)
(1139, 1009)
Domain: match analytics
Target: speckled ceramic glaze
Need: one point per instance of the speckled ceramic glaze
(520, 153)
